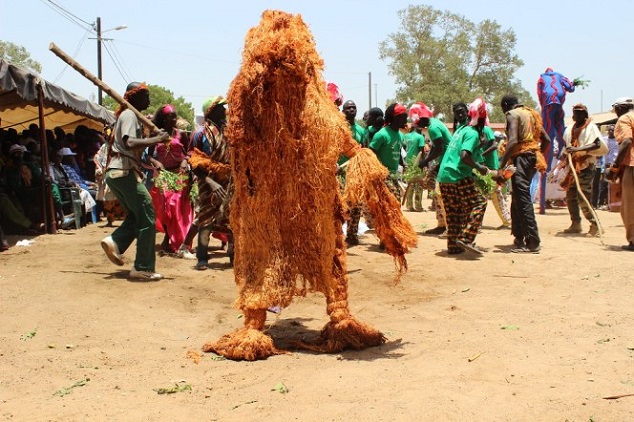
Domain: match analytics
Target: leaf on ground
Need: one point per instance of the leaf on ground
(474, 357)
(630, 347)
(67, 390)
(177, 388)
(603, 340)
(510, 327)
(216, 357)
(280, 388)
(600, 324)
(465, 290)
(29, 335)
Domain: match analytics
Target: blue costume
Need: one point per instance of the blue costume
(551, 92)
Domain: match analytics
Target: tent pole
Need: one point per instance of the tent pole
(47, 195)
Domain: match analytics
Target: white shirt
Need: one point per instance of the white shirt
(587, 136)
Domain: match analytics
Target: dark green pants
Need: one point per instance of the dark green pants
(140, 221)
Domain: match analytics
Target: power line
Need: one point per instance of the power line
(119, 57)
(116, 64)
(68, 15)
(178, 53)
(81, 42)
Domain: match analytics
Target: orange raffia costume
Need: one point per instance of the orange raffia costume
(287, 211)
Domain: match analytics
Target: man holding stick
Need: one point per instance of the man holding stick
(125, 178)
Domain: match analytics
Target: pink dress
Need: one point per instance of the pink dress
(174, 212)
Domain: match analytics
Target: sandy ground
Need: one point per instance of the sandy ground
(502, 338)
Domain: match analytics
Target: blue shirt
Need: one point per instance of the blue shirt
(613, 150)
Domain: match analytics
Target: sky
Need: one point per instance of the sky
(193, 47)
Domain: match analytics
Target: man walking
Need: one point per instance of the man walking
(527, 142)
(624, 164)
(583, 141)
(125, 179)
(358, 133)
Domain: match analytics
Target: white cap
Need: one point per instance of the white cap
(623, 101)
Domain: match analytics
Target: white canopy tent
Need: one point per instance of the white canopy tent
(19, 103)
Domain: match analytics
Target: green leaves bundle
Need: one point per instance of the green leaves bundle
(170, 181)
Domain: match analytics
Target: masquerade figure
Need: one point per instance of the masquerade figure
(287, 212)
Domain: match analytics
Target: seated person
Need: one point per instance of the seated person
(64, 175)
(23, 180)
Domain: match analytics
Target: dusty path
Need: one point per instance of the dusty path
(505, 337)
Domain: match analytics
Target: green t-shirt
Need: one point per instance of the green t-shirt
(490, 160)
(438, 130)
(359, 135)
(414, 142)
(387, 144)
(452, 168)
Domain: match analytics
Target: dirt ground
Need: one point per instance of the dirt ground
(502, 338)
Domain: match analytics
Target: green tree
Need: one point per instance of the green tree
(160, 96)
(442, 58)
(19, 56)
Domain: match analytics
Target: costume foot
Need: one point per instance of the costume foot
(244, 344)
(349, 333)
(629, 247)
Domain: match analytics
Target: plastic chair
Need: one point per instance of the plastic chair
(71, 204)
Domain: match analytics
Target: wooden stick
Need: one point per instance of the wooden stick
(583, 196)
(620, 396)
(99, 83)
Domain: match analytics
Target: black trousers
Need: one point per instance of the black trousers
(523, 223)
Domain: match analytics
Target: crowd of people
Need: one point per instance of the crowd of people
(179, 183)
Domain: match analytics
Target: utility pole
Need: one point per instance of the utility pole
(99, 93)
(376, 100)
(369, 90)
(97, 28)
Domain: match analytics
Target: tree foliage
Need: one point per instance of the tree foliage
(441, 58)
(160, 96)
(19, 56)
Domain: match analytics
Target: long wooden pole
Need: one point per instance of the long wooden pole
(47, 194)
(100, 84)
